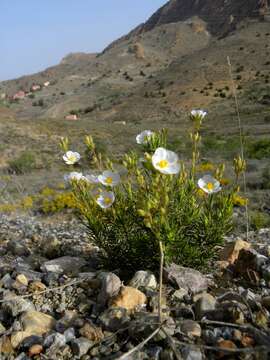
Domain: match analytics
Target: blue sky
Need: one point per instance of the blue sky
(35, 34)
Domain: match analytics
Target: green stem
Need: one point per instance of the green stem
(160, 281)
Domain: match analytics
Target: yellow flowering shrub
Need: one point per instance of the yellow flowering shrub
(53, 201)
(47, 201)
(27, 203)
(239, 200)
(8, 208)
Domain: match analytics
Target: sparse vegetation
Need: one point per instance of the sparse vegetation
(259, 149)
(259, 220)
(25, 163)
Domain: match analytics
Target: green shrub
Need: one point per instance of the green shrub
(150, 208)
(259, 149)
(25, 163)
(40, 103)
(259, 220)
(266, 178)
(267, 119)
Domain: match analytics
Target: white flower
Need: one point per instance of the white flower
(74, 176)
(105, 199)
(109, 178)
(144, 137)
(92, 178)
(166, 161)
(209, 184)
(71, 157)
(200, 114)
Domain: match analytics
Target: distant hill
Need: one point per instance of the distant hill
(175, 59)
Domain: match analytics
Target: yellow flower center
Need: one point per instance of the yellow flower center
(107, 200)
(163, 164)
(109, 180)
(210, 186)
(72, 158)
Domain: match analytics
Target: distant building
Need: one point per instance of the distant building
(71, 117)
(19, 95)
(47, 83)
(35, 87)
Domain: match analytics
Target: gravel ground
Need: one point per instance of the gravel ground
(57, 304)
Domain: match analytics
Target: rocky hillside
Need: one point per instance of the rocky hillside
(221, 16)
(186, 33)
(151, 78)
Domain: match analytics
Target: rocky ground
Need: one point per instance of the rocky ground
(56, 303)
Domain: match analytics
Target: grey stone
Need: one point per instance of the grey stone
(18, 248)
(87, 275)
(204, 304)
(2, 329)
(144, 324)
(186, 278)
(68, 320)
(191, 328)
(154, 352)
(144, 279)
(19, 264)
(17, 305)
(110, 286)
(114, 319)
(69, 334)
(191, 354)
(30, 274)
(81, 346)
(6, 281)
(252, 298)
(51, 278)
(22, 356)
(65, 264)
(16, 326)
(179, 294)
(55, 341)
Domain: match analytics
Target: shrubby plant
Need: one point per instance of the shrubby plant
(156, 200)
(23, 164)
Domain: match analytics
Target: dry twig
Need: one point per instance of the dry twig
(140, 345)
(43, 291)
(241, 139)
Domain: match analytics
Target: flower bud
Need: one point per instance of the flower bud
(148, 224)
(239, 165)
(196, 137)
(64, 142)
(89, 142)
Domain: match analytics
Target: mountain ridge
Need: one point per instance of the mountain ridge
(178, 37)
(223, 14)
